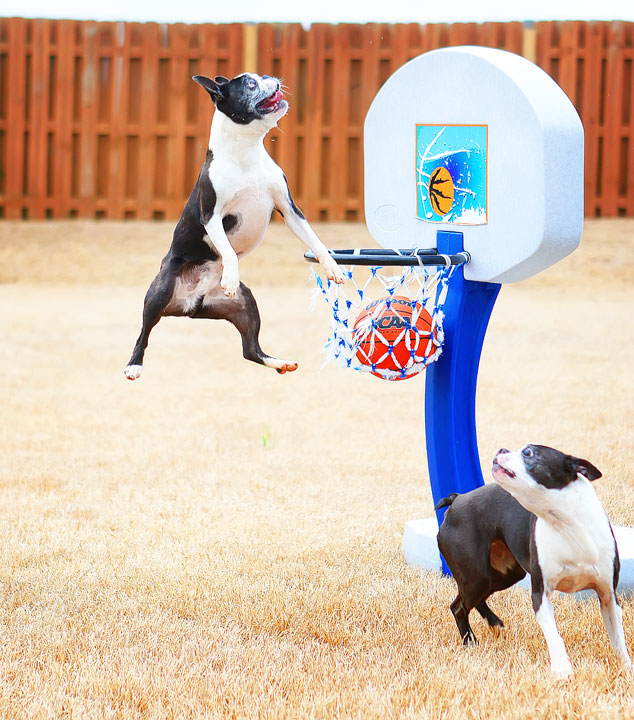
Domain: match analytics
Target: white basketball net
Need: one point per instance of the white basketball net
(424, 286)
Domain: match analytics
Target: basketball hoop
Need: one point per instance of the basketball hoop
(407, 288)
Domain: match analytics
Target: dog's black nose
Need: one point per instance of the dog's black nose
(502, 451)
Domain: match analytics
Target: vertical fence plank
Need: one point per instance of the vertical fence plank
(267, 57)
(16, 106)
(340, 123)
(628, 119)
(177, 119)
(370, 83)
(590, 109)
(514, 37)
(568, 59)
(88, 121)
(235, 49)
(36, 121)
(613, 114)
(147, 120)
(116, 166)
(207, 65)
(4, 52)
(400, 49)
(313, 134)
(289, 56)
(63, 119)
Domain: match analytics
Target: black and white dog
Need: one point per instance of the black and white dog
(225, 217)
(543, 517)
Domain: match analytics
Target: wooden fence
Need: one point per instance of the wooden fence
(102, 119)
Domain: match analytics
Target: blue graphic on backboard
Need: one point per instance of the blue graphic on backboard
(451, 173)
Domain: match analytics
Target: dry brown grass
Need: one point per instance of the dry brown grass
(219, 541)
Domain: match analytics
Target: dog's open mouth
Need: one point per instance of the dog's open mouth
(497, 466)
(271, 104)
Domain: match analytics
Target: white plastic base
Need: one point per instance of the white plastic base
(420, 548)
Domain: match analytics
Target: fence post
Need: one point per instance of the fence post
(529, 41)
(250, 47)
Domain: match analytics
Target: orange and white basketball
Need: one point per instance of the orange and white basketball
(393, 333)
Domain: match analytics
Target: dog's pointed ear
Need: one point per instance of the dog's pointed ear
(585, 468)
(211, 86)
(221, 80)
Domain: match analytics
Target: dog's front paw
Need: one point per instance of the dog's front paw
(332, 270)
(230, 282)
(562, 670)
(132, 372)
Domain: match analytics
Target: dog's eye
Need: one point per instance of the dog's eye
(528, 452)
(251, 84)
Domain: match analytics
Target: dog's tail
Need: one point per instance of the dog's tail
(446, 501)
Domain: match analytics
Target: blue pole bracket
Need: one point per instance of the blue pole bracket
(450, 384)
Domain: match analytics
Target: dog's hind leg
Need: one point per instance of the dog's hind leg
(242, 312)
(156, 300)
(492, 619)
(461, 615)
(613, 619)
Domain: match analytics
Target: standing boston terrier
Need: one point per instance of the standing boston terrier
(225, 217)
(542, 517)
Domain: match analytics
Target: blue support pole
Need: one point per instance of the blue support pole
(450, 383)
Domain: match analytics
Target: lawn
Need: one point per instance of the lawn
(216, 540)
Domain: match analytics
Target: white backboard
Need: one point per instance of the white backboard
(480, 141)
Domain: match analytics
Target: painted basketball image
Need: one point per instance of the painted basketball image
(441, 190)
(393, 333)
(451, 173)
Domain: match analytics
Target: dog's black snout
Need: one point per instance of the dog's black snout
(266, 77)
(502, 451)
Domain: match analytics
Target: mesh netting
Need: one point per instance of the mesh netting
(362, 339)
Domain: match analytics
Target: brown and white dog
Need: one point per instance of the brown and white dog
(544, 518)
(225, 217)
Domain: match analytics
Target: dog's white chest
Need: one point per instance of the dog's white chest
(244, 190)
(252, 208)
(576, 550)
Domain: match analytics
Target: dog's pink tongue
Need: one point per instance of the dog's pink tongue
(274, 99)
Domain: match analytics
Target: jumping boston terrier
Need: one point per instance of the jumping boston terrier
(542, 517)
(225, 217)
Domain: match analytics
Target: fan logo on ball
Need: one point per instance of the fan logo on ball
(395, 334)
